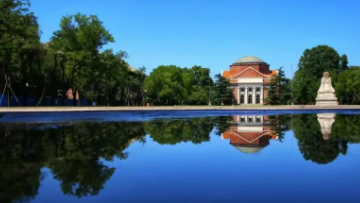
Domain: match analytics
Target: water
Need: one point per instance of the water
(180, 157)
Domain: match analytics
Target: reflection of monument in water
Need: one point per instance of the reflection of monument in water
(326, 121)
(326, 93)
(250, 134)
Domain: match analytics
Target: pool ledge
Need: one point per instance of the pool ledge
(175, 108)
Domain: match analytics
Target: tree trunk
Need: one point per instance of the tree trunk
(25, 96)
(74, 96)
(42, 96)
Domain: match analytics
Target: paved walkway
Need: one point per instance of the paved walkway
(169, 108)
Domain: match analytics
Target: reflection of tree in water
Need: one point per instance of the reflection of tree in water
(72, 153)
(195, 130)
(347, 127)
(20, 166)
(280, 124)
(222, 123)
(311, 142)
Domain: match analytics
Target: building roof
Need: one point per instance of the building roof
(226, 73)
(132, 69)
(249, 59)
(249, 150)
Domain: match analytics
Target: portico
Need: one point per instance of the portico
(249, 77)
(250, 93)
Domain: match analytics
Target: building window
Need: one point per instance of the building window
(258, 119)
(258, 89)
(250, 119)
(258, 99)
(242, 119)
(250, 99)
(242, 89)
(250, 89)
(242, 99)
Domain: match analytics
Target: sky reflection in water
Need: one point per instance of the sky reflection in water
(282, 158)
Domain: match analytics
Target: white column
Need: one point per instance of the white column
(238, 97)
(246, 119)
(254, 95)
(261, 94)
(246, 95)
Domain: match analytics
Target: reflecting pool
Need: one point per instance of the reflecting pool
(235, 157)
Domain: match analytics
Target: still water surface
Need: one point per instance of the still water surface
(237, 158)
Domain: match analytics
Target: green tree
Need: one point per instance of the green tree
(343, 63)
(311, 66)
(222, 91)
(165, 85)
(19, 45)
(280, 89)
(347, 86)
(273, 94)
(80, 38)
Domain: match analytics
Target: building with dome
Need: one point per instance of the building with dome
(250, 77)
(250, 133)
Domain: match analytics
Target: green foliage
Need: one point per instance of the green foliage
(222, 91)
(172, 85)
(71, 60)
(347, 86)
(79, 39)
(343, 63)
(279, 90)
(311, 66)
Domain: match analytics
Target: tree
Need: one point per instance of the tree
(19, 46)
(15, 19)
(311, 66)
(104, 75)
(343, 63)
(222, 91)
(280, 89)
(273, 94)
(347, 86)
(197, 82)
(80, 37)
(165, 85)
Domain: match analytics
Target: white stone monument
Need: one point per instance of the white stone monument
(326, 121)
(326, 93)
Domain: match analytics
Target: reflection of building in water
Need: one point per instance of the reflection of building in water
(326, 121)
(250, 134)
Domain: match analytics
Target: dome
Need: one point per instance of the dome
(249, 150)
(250, 59)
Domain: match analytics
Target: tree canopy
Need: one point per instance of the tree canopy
(311, 66)
(279, 90)
(72, 63)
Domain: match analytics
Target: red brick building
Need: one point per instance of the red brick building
(250, 77)
(250, 134)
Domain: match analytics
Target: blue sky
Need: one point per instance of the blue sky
(215, 33)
